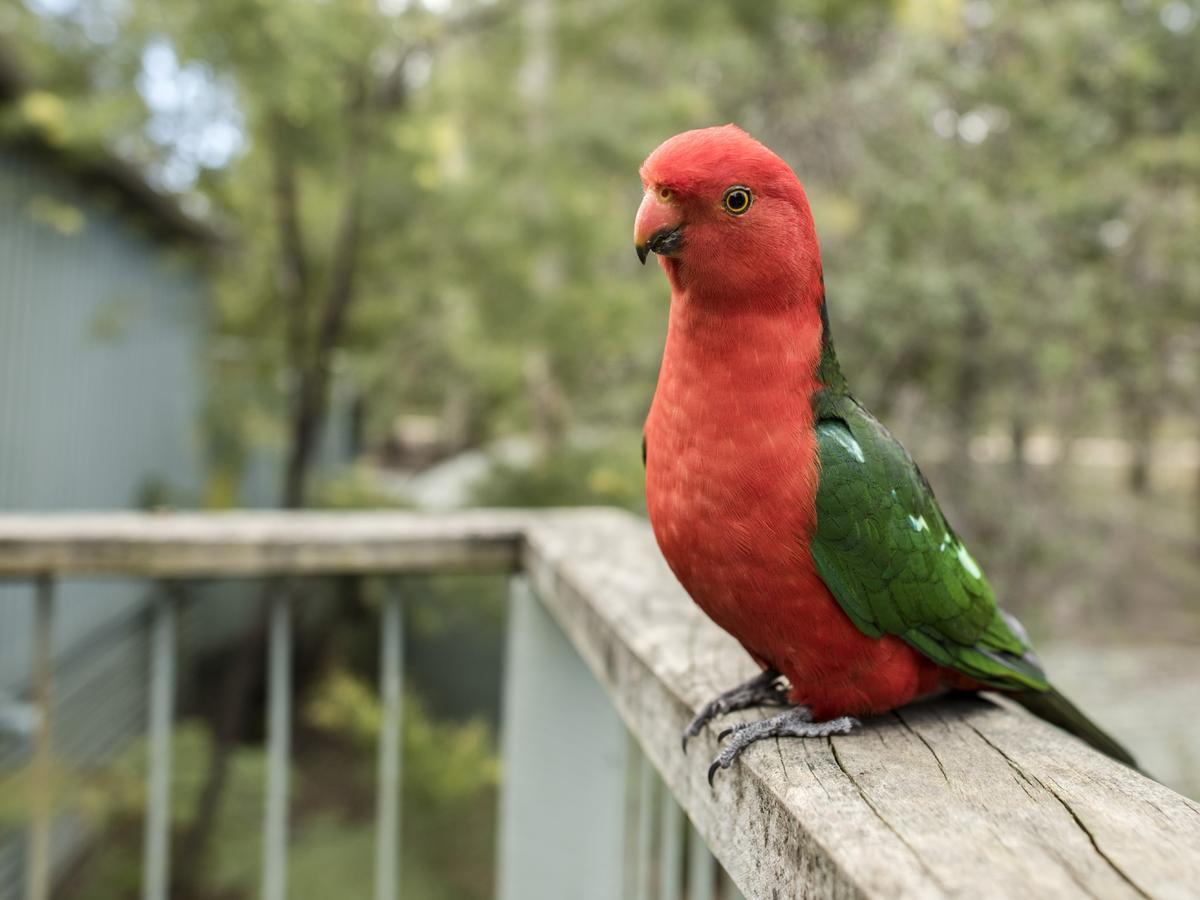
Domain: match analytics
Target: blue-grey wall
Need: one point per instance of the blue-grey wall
(103, 331)
(102, 336)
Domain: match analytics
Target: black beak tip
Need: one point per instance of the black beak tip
(666, 242)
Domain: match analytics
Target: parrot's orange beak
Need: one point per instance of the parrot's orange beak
(658, 227)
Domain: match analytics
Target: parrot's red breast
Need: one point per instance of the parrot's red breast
(731, 467)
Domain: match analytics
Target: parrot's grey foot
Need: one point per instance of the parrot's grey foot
(764, 689)
(796, 722)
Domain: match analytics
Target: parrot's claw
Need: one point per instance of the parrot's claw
(764, 689)
(799, 713)
(796, 722)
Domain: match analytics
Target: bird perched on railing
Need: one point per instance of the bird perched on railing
(790, 515)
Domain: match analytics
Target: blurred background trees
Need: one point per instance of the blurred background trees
(426, 208)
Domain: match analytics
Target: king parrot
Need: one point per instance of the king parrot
(786, 510)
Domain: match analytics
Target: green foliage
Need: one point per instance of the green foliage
(451, 776)
(451, 772)
(436, 604)
(353, 487)
(1005, 192)
(451, 763)
(994, 182)
(118, 789)
(606, 475)
(1006, 195)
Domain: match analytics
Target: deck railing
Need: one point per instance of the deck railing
(940, 799)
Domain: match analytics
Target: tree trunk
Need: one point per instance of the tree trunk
(1197, 500)
(244, 672)
(1020, 440)
(307, 419)
(968, 386)
(547, 401)
(1142, 453)
(310, 359)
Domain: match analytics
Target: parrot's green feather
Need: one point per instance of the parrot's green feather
(885, 551)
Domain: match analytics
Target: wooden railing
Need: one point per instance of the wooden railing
(948, 798)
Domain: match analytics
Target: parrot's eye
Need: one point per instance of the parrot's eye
(736, 200)
(665, 193)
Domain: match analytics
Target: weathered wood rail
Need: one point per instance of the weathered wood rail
(942, 799)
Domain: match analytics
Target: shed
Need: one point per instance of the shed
(104, 328)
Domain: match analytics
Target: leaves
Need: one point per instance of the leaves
(1005, 193)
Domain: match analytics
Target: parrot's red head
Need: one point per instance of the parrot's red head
(728, 219)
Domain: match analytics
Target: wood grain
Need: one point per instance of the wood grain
(257, 543)
(944, 799)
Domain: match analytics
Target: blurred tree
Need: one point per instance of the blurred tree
(324, 181)
(431, 204)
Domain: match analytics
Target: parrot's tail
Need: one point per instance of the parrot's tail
(1058, 710)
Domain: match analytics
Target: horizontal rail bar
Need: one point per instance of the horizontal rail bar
(262, 543)
(940, 799)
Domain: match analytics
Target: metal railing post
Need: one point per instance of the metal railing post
(158, 779)
(391, 674)
(702, 868)
(41, 801)
(670, 879)
(647, 784)
(279, 733)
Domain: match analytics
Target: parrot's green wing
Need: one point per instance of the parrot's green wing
(883, 548)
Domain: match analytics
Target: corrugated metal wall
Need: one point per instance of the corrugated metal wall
(102, 335)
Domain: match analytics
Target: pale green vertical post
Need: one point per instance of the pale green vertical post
(279, 734)
(391, 687)
(41, 806)
(702, 868)
(156, 852)
(670, 879)
(631, 805)
(645, 828)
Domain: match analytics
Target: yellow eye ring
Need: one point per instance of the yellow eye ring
(737, 200)
(665, 193)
